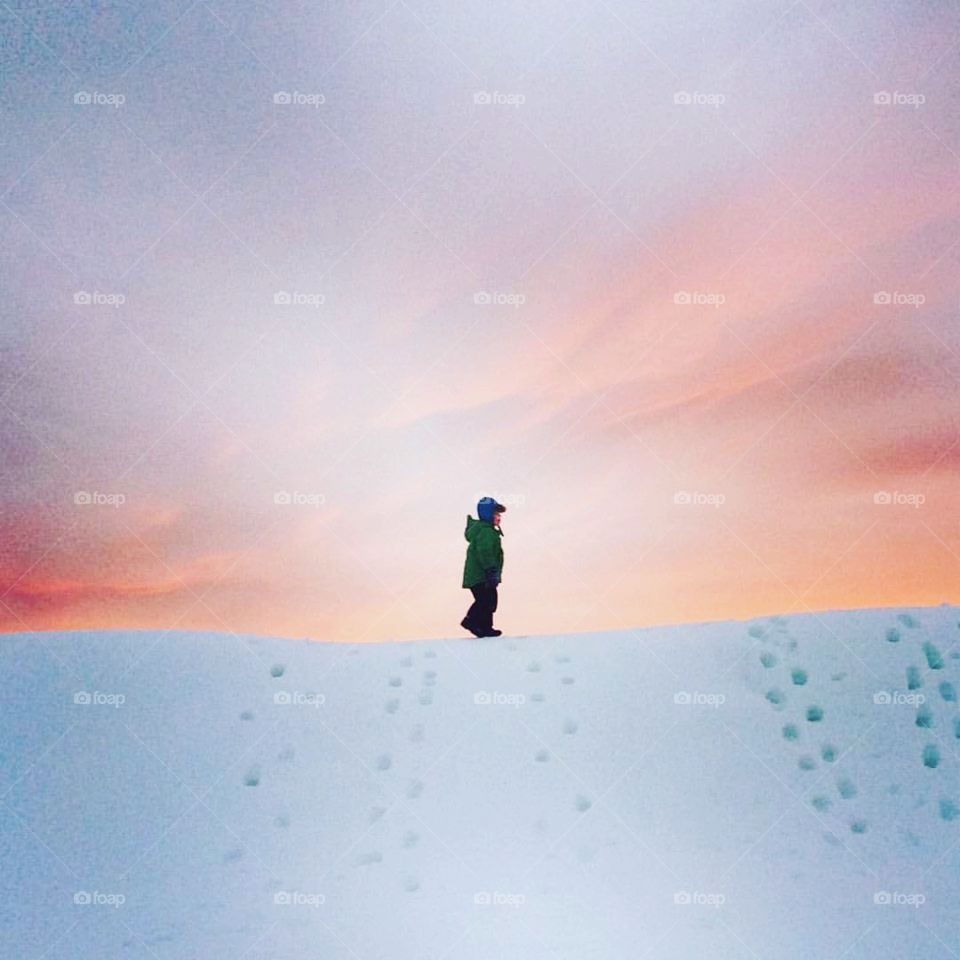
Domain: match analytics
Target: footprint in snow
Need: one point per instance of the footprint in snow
(429, 678)
(366, 859)
(425, 697)
(570, 727)
(411, 884)
(798, 676)
(415, 790)
(893, 635)
(956, 727)
(406, 661)
(416, 733)
(396, 681)
(814, 713)
(828, 752)
(430, 654)
(392, 705)
(924, 717)
(375, 814)
(933, 655)
(807, 763)
(246, 715)
(277, 670)
(908, 620)
(411, 838)
(820, 804)
(791, 732)
(768, 659)
(384, 762)
(252, 777)
(914, 680)
(858, 826)
(931, 756)
(948, 691)
(949, 810)
(231, 856)
(775, 697)
(542, 756)
(582, 803)
(567, 680)
(757, 632)
(561, 658)
(846, 788)
(533, 667)
(282, 821)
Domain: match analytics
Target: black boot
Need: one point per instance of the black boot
(469, 626)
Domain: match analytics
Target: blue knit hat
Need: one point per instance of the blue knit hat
(487, 507)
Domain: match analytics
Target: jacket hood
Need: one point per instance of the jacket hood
(474, 525)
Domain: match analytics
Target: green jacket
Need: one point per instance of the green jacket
(484, 551)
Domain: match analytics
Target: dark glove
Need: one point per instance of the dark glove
(493, 576)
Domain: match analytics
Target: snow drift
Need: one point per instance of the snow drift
(785, 787)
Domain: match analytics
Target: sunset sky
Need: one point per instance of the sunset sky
(677, 282)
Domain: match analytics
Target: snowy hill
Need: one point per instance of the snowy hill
(786, 787)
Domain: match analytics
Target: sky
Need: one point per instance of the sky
(289, 286)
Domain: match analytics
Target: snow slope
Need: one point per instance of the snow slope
(728, 790)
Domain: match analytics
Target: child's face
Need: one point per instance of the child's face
(496, 519)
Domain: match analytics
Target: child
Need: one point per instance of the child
(483, 567)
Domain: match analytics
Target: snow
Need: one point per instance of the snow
(784, 787)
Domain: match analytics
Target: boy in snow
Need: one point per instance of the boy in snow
(483, 567)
